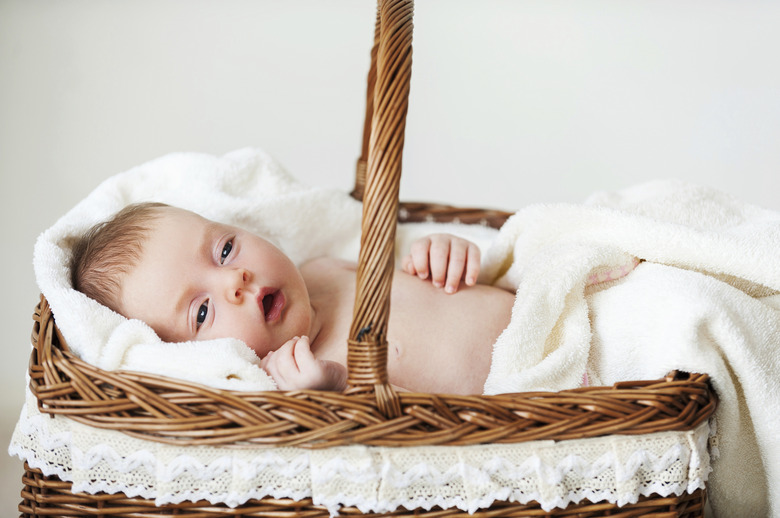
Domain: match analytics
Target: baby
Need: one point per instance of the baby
(190, 278)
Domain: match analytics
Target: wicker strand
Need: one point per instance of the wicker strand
(362, 162)
(49, 496)
(367, 353)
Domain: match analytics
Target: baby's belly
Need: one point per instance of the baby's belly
(443, 343)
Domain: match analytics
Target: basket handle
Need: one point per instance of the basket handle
(362, 161)
(367, 344)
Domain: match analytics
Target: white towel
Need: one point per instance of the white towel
(705, 301)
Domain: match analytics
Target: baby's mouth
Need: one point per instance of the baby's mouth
(271, 303)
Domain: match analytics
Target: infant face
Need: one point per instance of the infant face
(198, 280)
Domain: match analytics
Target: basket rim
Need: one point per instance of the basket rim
(173, 411)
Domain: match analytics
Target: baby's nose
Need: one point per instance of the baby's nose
(235, 289)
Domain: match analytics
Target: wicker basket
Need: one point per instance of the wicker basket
(369, 412)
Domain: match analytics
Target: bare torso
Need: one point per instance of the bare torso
(438, 342)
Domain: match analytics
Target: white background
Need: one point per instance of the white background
(513, 102)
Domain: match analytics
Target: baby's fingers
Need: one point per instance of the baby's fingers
(463, 264)
(407, 265)
(282, 366)
(457, 263)
(472, 264)
(416, 262)
(304, 358)
(318, 374)
(439, 260)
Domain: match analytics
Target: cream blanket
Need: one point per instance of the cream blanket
(705, 300)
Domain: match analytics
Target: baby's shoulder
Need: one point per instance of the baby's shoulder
(329, 277)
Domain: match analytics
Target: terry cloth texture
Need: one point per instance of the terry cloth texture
(705, 299)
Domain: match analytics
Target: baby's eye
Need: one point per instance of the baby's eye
(203, 312)
(225, 251)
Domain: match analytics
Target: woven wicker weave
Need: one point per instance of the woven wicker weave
(370, 412)
(47, 496)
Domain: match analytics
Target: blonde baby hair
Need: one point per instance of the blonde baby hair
(109, 250)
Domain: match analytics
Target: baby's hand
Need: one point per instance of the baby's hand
(446, 259)
(294, 367)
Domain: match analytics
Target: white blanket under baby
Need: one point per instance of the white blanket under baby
(713, 259)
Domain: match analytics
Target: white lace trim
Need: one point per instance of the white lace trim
(618, 469)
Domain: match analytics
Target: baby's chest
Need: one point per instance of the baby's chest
(443, 343)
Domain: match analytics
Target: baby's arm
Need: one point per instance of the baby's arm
(294, 367)
(446, 259)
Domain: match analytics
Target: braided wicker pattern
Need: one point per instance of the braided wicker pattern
(362, 163)
(48, 496)
(417, 212)
(367, 351)
(174, 412)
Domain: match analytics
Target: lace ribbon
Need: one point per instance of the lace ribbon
(618, 469)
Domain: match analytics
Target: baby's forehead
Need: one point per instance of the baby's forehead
(171, 211)
(173, 236)
(178, 217)
(177, 225)
(183, 226)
